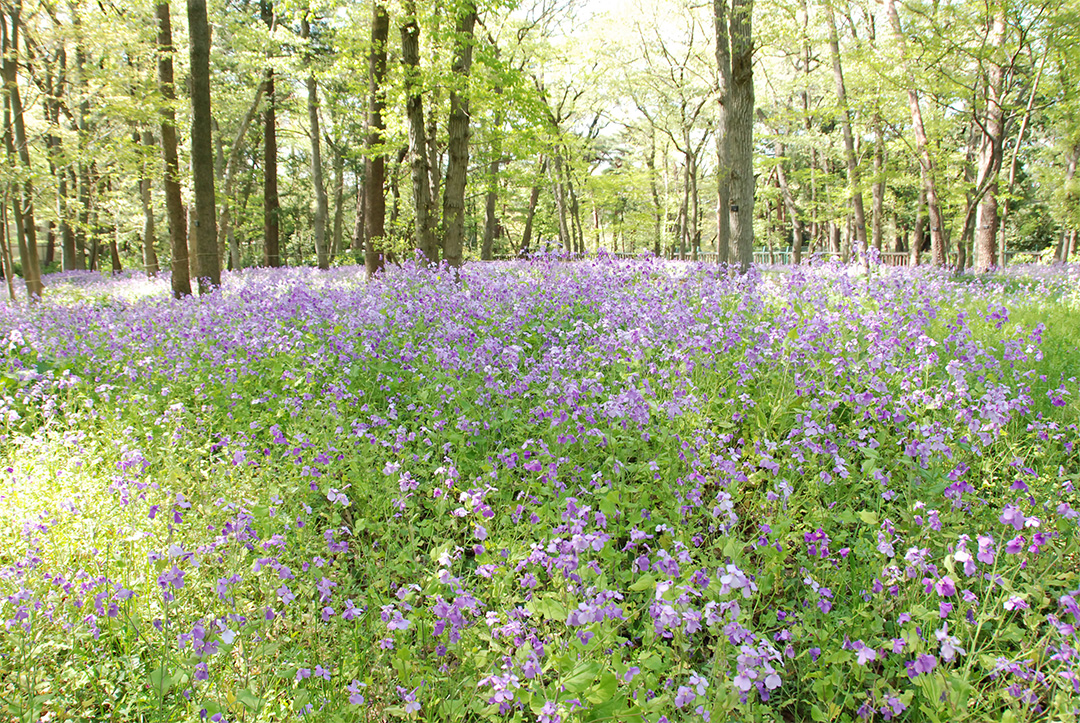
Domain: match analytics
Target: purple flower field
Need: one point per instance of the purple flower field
(556, 492)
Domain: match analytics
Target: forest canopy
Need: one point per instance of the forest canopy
(339, 132)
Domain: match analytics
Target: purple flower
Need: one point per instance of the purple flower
(921, 665)
(355, 697)
(945, 587)
(1012, 515)
(986, 549)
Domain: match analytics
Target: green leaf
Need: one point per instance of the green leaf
(645, 582)
(868, 517)
(581, 677)
(251, 701)
(603, 690)
(160, 680)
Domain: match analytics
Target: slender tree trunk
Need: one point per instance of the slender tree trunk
(922, 143)
(991, 150)
(181, 281)
(491, 197)
(854, 189)
(918, 234)
(658, 209)
(271, 203)
(375, 165)
(149, 234)
(225, 225)
(723, 121)
(10, 45)
(534, 198)
(5, 248)
(339, 203)
(559, 193)
(67, 233)
(1015, 155)
(458, 136)
(878, 208)
(1070, 199)
(321, 211)
(424, 234)
(202, 149)
(789, 203)
(741, 131)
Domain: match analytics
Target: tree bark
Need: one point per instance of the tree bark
(339, 203)
(271, 203)
(854, 190)
(458, 136)
(534, 198)
(10, 45)
(723, 114)
(793, 211)
(424, 232)
(321, 211)
(991, 149)
(225, 225)
(922, 143)
(741, 131)
(375, 164)
(878, 208)
(149, 234)
(202, 149)
(181, 281)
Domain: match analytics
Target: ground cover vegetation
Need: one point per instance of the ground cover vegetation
(543, 491)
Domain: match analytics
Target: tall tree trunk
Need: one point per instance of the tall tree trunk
(225, 225)
(271, 204)
(67, 233)
(491, 197)
(878, 208)
(181, 280)
(202, 149)
(741, 131)
(375, 165)
(321, 211)
(559, 193)
(789, 203)
(10, 46)
(991, 149)
(5, 248)
(534, 198)
(922, 143)
(339, 203)
(149, 234)
(723, 120)
(854, 189)
(458, 136)
(1015, 155)
(424, 234)
(658, 209)
(1070, 198)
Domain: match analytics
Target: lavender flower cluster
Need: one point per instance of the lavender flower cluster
(542, 491)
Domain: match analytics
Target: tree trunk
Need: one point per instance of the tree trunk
(741, 131)
(458, 136)
(878, 209)
(225, 225)
(1015, 155)
(339, 203)
(202, 150)
(534, 198)
(10, 45)
(789, 203)
(321, 211)
(5, 248)
(922, 143)
(181, 281)
(991, 149)
(492, 192)
(424, 233)
(375, 165)
(723, 148)
(149, 234)
(658, 209)
(854, 189)
(271, 204)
